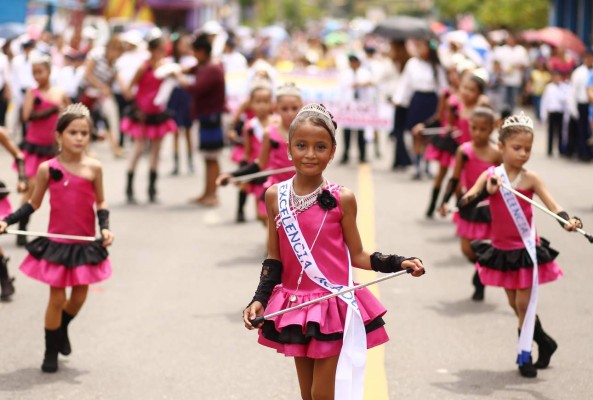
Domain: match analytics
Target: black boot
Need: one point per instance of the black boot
(6, 286)
(64, 347)
(50, 358)
(527, 370)
(546, 345)
(242, 201)
(152, 186)
(175, 171)
(21, 240)
(478, 288)
(130, 188)
(433, 202)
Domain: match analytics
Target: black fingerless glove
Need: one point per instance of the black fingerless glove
(388, 263)
(451, 187)
(564, 214)
(103, 218)
(271, 275)
(23, 212)
(472, 201)
(248, 169)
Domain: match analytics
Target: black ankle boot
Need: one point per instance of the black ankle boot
(241, 206)
(433, 202)
(21, 240)
(527, 370)
(152, 186)
(546, 345)
(64, 347)
(6, 286)
(130, 188)
(175, 171)
(50, 358)
(478, 288)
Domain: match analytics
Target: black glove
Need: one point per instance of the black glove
(23, 212)
(271, 275)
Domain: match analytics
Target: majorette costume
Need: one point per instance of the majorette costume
(66, 263)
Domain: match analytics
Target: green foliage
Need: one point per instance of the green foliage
(292, 13)
(515, 14)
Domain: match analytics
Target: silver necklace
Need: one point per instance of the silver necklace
(302, 203)
(517, 180)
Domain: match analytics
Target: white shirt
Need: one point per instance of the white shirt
(349, 77)
(578, 81)
(4, 70)
(418, 76)
(69, 79)
(554, 99)
(233, 62)
(22, 76)
(128, 64)
(512, 60)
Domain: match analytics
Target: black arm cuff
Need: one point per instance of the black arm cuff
(249, 169)
(451, 187)
(20, 167)
(103, 218)
(472, 201)
(386, 263)
(563, 214)
(271, 275)
(22, 213)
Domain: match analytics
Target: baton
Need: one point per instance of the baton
(258, 320)
(261, 174)
(51, 235)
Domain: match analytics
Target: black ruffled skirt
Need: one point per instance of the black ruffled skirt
(69, 255)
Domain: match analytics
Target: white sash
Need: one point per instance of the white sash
(349, 383)
(258, 129)
(527, 233)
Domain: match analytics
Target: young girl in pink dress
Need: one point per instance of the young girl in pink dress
(506, 261)
(326, 213)
(6, 281)
(146, 121)
(471, 159)
(41, 107)
(75, 184)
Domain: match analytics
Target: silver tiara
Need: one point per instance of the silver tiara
(288, 89)
(77, 109)
(322, 112)
(521, 120)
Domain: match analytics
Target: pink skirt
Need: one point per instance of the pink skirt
(327, 318)
(237, 153)
(521, 278)
(5, 207)
(60, 276)
(471, 230)
(150, 132)
(32, 163)
(444, 158)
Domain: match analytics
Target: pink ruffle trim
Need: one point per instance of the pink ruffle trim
(444, 158)
(59, 276)
(520, 279)
(151, 132)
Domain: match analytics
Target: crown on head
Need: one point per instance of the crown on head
(77, 109)
(319, 110)
(288, 89)
(520, 119)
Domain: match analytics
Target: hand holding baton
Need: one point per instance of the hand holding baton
(258, 320)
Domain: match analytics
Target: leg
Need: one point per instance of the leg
(21, 240)
(155, 149)
(436, 189)
(53, 317)
(417, 156)
(347, 134)
(550, 133)
(6, 286)
(304, 367)
(362, 145)
(111, 113)
(324, 375)
(526, 369)
(71, 309)
(190, 149)
(175, 153)
(479, 287)
(138, 150)
(212, 171)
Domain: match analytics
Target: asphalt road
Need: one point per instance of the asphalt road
(167, 325)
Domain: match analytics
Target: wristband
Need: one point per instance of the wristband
(271, 275)
(23, 212)
(20, 167)
(451, 187)
(103, 218)
(249, 169)
(472, 201)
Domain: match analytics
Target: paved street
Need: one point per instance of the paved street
(167, 325)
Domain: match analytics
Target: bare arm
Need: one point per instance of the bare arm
(101, 204)
(264, 154)
(90, 77)
(359, 257)
(28, 105)
(9, 145)
(272, 208)
(42, 182)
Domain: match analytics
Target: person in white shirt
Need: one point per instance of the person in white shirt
(231, 59)
(422, 80)
(357, 85)
(4, 87)
(553, 109)
(579, 105)
(514, 59)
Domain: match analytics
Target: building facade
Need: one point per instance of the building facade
(574, 15)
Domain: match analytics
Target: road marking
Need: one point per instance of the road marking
(375, 387)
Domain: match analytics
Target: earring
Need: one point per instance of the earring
(59, 147)
(290, 157)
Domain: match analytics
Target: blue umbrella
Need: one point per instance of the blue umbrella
(10, 30)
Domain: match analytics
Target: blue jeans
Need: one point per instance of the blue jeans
(510, 96)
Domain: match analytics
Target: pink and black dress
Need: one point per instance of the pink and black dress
(504, 261)
(38, 144)
(442, 147)
(65, 263)
(5, 206)
(317, 331)
(254, 134)
(473, 223)
(145, 119)
(238, 152)
(278, 159)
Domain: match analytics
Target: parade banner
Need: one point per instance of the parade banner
(320, 87)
